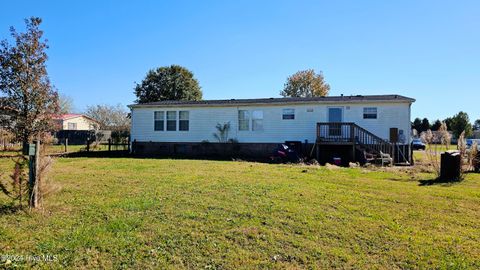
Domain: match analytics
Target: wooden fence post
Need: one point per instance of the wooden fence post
(109, 144)
(66, 145)
(88, 145)
(34, 166)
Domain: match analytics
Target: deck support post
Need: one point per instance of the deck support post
(352, 139)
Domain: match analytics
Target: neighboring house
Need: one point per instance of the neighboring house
(476, 134)
(342, 126)
(76, 122)
(76, 128)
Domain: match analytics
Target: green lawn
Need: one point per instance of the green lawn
(153, 213)
(58, 149)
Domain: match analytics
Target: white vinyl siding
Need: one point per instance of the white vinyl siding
(202, 122)
(79, 123)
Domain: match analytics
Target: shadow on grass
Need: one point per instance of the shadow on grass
(439, 181)
(126, 154)
(10, 209)
(96, 154)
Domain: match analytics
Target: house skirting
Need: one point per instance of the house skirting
(204, 149)
(258, 151)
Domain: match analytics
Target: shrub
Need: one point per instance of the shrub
(473, 156)
(16, 185)
(222, 132)
(433, 149)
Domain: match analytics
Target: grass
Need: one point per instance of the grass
(149, 213)
(421, 155)
(58, 149)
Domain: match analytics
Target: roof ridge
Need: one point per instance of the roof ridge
(346, 98)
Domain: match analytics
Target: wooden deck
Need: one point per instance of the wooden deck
(350, 134)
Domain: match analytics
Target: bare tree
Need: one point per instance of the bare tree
(110, 117)
(65, 104)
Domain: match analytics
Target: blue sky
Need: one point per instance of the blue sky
(428, 50)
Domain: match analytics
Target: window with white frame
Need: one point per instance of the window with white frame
(171, 120)
(370, 113)
(72, 126)
(159, 121)
(183, 120)
(243, 120)
(288, 114)
(257, 120)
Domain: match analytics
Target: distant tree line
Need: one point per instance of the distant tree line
(457, 124)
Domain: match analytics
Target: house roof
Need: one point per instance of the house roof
(66, 116)
(71, 116)
(289, 100)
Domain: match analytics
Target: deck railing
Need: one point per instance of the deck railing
(346, 132)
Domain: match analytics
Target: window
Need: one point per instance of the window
(370, 113)
(183, 123)
(288, 114)
(257, 120)
(171, 121)
(159, 119)
(72, 126)
(243, 120)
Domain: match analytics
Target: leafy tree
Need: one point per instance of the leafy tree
(425, 124)
(476, 125)
(168, 83)
(29, 100)
(65, 104)
(110, 117)
(305, 83)
(449, 122)
(417, 125)
(459, 123)
(436, 126)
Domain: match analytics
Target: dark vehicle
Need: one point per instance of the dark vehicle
(417, 144)
(284, 154)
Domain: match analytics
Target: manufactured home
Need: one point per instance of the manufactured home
(76, 122)
(349, 127)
